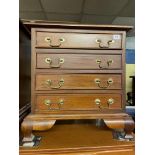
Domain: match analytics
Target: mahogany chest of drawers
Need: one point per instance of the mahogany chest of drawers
(77, 72)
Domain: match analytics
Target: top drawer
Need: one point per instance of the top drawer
(78, 40)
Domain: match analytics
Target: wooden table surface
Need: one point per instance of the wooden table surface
(79, 139)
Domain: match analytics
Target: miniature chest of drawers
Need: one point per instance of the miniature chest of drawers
(77, 72)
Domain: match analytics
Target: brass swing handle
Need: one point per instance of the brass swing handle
(102, 45)
(49, 40)
(99, 62)
(109, 82)
(49, 103)
(49, 61)
(110, 101)
(49, 84)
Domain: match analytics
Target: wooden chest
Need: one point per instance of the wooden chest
(77, 72)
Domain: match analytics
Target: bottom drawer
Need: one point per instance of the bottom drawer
(78, 102)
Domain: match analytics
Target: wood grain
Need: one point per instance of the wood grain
(77, 102)
(79, 139)
(29, 125)
(78, 81)
(78, 51)
(122, 151)
(79, 61)
(75, 40)
(81, 114)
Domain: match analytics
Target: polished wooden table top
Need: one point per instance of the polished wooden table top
(77, 137)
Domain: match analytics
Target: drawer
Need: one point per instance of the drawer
(78, 81)
(78, 61)
(78, 102)
(78, 40)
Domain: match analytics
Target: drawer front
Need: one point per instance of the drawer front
(76, 40)
(78, 61)
(78, 81)
(78, 102)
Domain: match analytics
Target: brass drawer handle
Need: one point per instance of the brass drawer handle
(109, 62)
(110, 101)
(109, 82)
(49, 61)
(99, 104)
(102, 45)
(49, 103)
(49, 84)
(49, 40)
(97, 101)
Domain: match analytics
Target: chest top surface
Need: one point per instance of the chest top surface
(47, 24)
